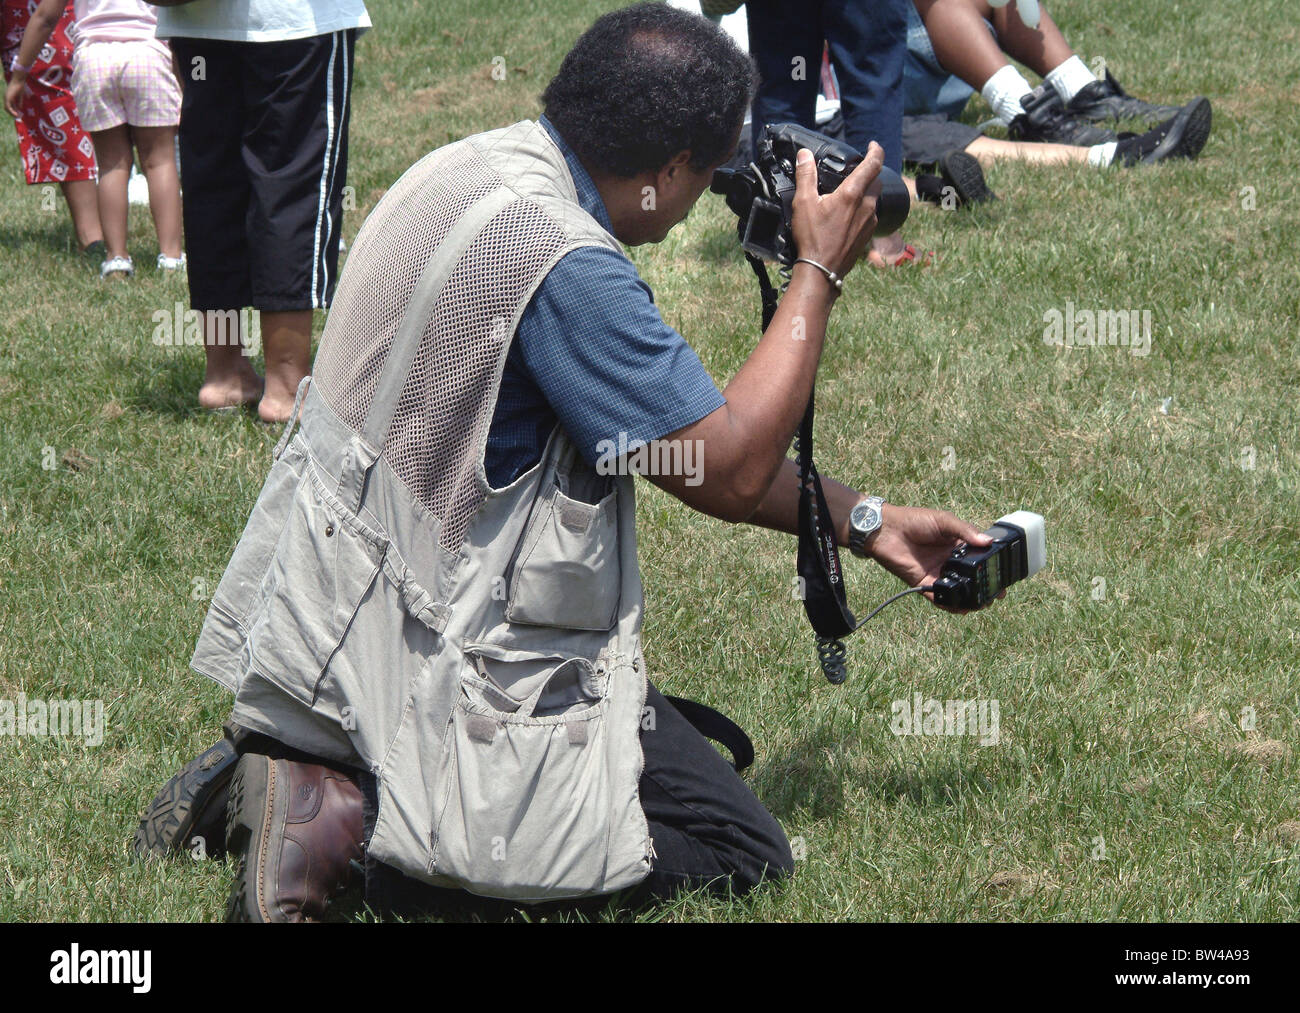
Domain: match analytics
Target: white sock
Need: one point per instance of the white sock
(1003, 92)
(1101, 155)
(1070, 78)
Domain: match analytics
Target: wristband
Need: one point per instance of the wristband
(834, 278)
(17, 67)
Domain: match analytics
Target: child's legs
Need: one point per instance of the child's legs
(297, 137)
(1041, 49)
(214, 212)
(988, 150)
(158, 159)
(962, 42)
(113, 153)
(83, 204)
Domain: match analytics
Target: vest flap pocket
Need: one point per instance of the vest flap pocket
(520, 685)
(528, 804)
(324, 563)
(567, 573)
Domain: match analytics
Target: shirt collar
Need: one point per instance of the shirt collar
(588, 195)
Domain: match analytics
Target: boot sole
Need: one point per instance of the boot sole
(1187, 135)
(963, 173)
(183, 802)
(249, 815)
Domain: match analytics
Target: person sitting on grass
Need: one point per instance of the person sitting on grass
(958, 47)
(125, 89)
(432, 623)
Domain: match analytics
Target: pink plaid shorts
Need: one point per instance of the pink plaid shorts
(125, 82)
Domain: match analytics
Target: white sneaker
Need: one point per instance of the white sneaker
(117, 265)
(166, 263)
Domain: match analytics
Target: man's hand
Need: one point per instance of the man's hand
(835, 228)
(914, 542)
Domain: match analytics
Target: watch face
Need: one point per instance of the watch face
(865, 517)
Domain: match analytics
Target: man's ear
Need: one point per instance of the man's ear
(676, 165)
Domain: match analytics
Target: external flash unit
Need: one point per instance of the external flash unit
(972, 577)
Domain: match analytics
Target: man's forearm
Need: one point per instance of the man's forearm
(780, 508)
(765, 398)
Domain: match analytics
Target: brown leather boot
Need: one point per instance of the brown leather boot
(293, 828)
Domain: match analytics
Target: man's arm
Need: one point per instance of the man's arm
(780, 507)
(744, 442)
(912, 542)
(744, 474)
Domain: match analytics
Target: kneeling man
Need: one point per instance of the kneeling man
(431, 625)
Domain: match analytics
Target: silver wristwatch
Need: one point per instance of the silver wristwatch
(864, 521)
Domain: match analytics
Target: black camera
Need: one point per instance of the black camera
(762, 193)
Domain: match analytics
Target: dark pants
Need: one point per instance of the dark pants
(868, 43)
(708, 828)
(264, 159)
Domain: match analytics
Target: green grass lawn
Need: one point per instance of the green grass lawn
(1123, 784)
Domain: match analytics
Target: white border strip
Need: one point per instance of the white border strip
(318, 261)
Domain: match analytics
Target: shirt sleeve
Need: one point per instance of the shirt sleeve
(594, 343)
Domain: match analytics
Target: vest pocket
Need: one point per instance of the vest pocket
(527, 803)
(567, 572)
(324, 563)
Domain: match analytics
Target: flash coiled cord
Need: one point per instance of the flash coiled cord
(831, 652)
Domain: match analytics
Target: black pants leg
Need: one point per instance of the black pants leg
(708, 828)
(264, 153)
(868, 44)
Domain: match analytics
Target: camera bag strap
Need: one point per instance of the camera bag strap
(716, 726)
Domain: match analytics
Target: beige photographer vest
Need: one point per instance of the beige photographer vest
(476, 649)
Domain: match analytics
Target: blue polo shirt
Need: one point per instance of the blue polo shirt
(592, 353)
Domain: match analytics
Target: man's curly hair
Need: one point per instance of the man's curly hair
(646, 82)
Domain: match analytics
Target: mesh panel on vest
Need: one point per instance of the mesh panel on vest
(381, 271)
(446, 407)
(440, 424)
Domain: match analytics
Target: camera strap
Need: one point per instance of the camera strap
(822, 580)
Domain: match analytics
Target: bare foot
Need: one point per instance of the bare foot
(275, 409)
(892, 251)
(286, 343)
(241, 390)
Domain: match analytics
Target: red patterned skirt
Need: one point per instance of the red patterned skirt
(53, 146)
